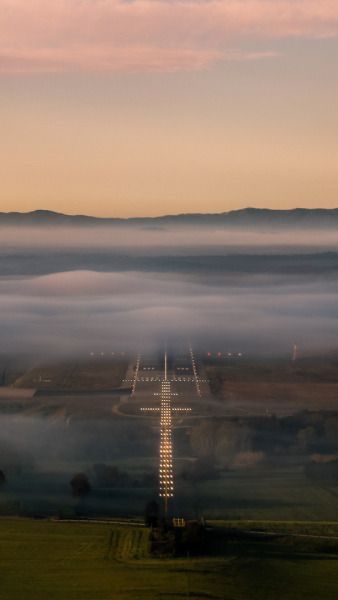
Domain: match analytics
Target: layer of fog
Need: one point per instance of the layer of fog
(77, 290)
(32, 441)
(83, 312)
(166, 239)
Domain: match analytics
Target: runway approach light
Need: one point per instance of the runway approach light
(294, 352)
(165, 469)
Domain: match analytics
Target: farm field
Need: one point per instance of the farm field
(73, 561)
(262, 493)
(48, 438)
(277, 387)
(283, 493)
(97, 374)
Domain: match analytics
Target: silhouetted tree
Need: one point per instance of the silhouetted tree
(306, 438)
(194, 538)
(80, 485)
(2, 479)
(151, 514)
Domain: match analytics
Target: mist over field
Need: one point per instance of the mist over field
(155, 237)
(79, 304)
(70, 290)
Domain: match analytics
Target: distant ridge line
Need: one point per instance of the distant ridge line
(245, 218)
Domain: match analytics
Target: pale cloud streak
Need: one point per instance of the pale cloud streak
(150, 35)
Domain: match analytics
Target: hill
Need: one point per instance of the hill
(255, 218)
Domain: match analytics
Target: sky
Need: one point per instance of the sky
(148, 107)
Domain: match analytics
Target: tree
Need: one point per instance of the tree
(80, 485)
(194, 538)
(151, 514)
(306, 438)
(2, 479)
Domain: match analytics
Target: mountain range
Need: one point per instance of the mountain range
(257, 218)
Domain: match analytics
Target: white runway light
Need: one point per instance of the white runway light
(165, 472)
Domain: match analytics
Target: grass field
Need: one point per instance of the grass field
(278, 493)
(282, 493)
(278, 387)
(89, 375)
(87, 561)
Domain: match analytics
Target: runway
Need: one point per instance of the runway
(166, 387)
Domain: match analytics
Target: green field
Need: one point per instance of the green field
(262, 493)
(92, 561)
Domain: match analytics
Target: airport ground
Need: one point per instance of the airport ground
(274, 517)
(261, 422)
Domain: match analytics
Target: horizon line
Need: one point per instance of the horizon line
(167, 215)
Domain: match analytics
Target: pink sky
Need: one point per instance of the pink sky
(146, 107)
(112, 35)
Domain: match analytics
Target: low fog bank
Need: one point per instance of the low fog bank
(193, 253)
(165, 239)
(76, 290)
(293, 461)
(35, 441)
(84, 311)
(43, 261)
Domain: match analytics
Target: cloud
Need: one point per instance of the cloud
(108, 59)
(39, 36)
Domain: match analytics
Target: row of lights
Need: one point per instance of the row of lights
(195, 371)
(142, 379)
(224, 354)
(138, 360)
(166, 479)
(107, 353)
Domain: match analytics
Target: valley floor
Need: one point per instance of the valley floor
(106, 561)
